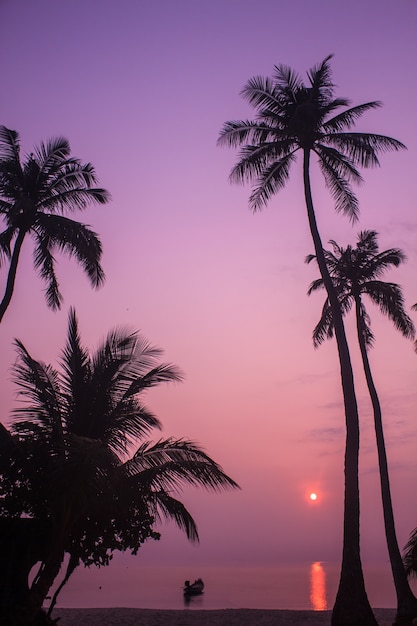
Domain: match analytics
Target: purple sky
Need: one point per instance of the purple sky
(141, 89)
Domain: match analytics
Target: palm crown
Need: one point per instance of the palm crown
(293, 116)
(83, 429)
(355, 271)
(34, 196)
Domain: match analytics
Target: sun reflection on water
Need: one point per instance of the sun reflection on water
(318, 598)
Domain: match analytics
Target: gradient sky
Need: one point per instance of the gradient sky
(141, 89)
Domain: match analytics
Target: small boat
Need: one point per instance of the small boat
(194, 589)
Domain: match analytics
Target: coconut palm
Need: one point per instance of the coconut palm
(34, 196)
(292, 117)
(356, 272)
(82, 462)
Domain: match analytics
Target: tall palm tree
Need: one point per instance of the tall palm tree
(355, 273)
(34, 196)
(295, 117)
(82, 461)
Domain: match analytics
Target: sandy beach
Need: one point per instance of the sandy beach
(224, 617)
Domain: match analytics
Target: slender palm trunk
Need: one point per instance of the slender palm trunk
(406, 601)
(73, 563)
(11, 277)
(352, 606)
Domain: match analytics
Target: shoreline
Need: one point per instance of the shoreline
(200, 617)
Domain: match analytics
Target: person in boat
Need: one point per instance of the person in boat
(194, 589)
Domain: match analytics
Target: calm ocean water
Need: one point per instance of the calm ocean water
(305, 586)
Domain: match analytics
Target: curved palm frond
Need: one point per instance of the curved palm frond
(287, 79)
(5, 242)
(345, 200)
(51, 156)
(270, 180)
(347, 118)
(260, 92)
(165, 506)
(39, 385)
(9, 145)
(236, 133)
(55, 232)
(410, 555)
(172, 463)
(363, 148)
(388, 297)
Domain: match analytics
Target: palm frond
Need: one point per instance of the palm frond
(44, 262)
(73, 199)
(236, 133)
(5, 207)
(388, 297)
(56, 232)
(287, 79)
(367, 241)
(271, 179)
(410, 555)
(5, 244)
(173, 463)
(51, 154)
(345, 200)
(9, 145)
(70, 175)
(344, 167)
(324, 329)
(260, 93)
(320, 77)
(347, 118)
(254, 159)
(39, 384)
(315, 285)
(164, 505)
(76, 366)
(362, 148)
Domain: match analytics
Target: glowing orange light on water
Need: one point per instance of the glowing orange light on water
(318, 596)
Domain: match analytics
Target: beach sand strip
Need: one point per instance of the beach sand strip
(224, 617)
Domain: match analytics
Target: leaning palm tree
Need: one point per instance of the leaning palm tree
(292, 117)
(80, 461)
(34, 196)
(356, 272)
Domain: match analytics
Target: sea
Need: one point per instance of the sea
(305, 586)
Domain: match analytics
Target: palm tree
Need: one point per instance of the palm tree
(290, 117)
(355, 272)
(82, 463)
(34, 196)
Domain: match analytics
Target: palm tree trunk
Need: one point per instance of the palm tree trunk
(406, 601)
(11, 277)
(73, 563)
(42, 584)
(352, 606)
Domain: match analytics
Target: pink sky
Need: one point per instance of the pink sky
(141, 89)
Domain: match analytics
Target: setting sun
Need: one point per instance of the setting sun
(313, 496)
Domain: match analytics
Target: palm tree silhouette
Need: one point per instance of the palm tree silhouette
(82, 462)
(292, 117)
(355, 272)
(34, 196)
